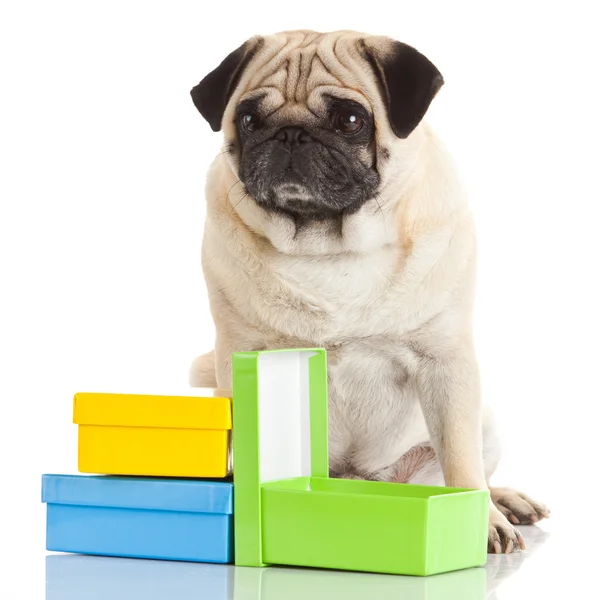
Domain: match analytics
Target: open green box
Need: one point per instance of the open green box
(289, 512)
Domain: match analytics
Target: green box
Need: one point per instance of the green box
(289, 512)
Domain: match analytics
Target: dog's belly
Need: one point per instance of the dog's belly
(374, 413)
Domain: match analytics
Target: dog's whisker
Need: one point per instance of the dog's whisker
(238, 203)
(377, 196)
(231, 188)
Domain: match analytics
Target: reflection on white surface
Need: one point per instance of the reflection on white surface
(74, 577)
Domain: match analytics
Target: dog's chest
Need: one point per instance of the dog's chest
(345, 296)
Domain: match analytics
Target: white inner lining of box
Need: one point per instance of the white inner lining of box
(284, 415)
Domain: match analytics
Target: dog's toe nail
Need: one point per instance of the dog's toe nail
(497, 548)
(513, 520)
(534, 518)
(509, 547)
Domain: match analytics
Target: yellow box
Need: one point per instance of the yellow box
(152, 435)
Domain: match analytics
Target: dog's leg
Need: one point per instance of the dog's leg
(449, 390)
(516, 506)
(203, 371)
(451, 403)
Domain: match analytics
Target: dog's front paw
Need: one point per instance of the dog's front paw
(503, 538)
(517, 507)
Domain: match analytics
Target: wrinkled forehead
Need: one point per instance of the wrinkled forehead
(304, 71)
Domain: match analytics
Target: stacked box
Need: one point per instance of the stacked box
(150, 496)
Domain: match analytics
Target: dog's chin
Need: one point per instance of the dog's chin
(297, 202)
(293, 200)
(292, 192)
(301, 207)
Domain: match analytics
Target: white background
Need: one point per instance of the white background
(102, 162)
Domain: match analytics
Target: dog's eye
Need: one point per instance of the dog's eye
(346, 121)
(250, 122)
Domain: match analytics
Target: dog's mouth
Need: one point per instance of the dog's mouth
(289, 193)
(299, 201)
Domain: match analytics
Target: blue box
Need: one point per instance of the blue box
(167, 519)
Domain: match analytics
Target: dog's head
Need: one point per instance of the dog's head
(310, 120)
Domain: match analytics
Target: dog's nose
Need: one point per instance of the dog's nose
(292, 137)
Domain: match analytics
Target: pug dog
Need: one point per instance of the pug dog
(336, 219)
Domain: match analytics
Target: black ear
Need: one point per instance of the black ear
(212, 94)
(408, 79)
